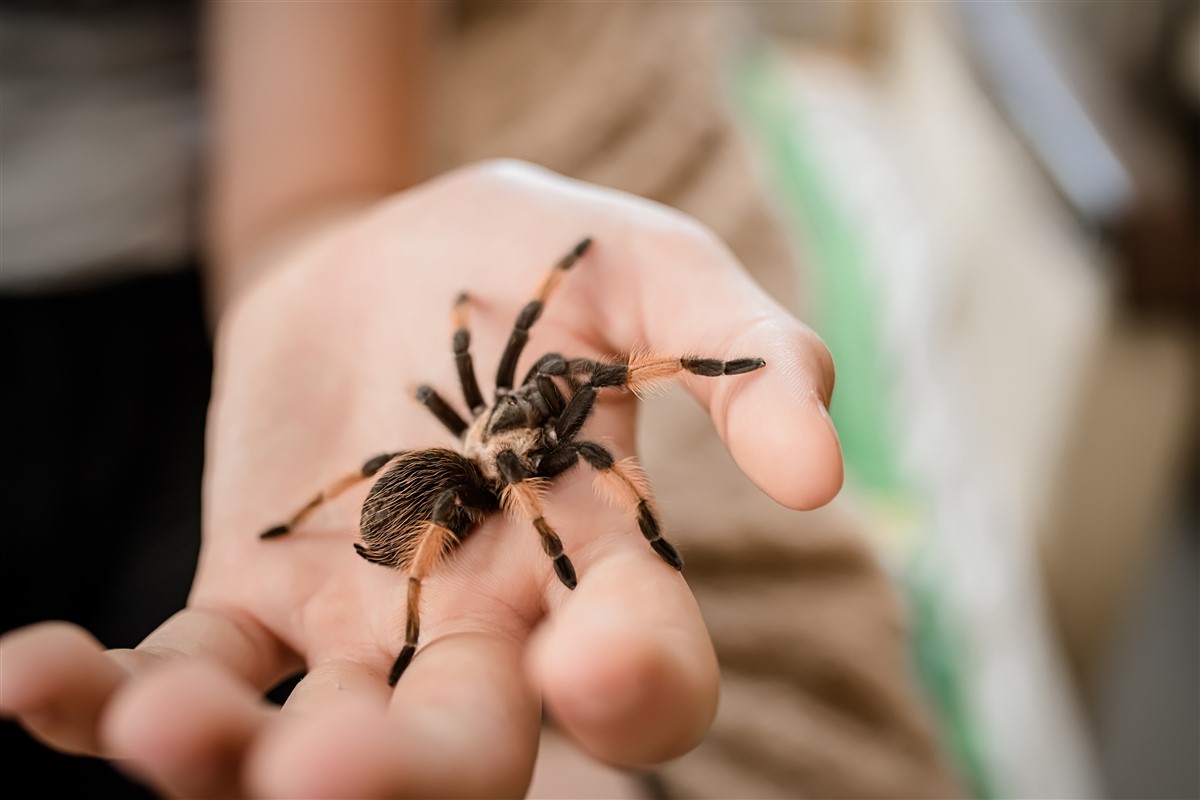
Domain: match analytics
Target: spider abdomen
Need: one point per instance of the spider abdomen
(401, 503)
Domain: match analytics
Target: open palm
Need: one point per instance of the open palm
(316, 371)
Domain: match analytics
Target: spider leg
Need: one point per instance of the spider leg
(442, 533)
(521, 496)
(638, 375)
(577, 410)
(546, 365)
(579, 371)
(644, 372)
(462, 356)
(622, 483)
(529, 315)
(427, 396)
(558, 460)
(368, 470)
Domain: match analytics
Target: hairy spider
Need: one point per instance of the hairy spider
(428, 501)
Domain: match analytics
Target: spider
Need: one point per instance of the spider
(429, 501)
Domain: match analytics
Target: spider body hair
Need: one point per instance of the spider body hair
(427, 502)
(403, 500)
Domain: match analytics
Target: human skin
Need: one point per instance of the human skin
(316, 364)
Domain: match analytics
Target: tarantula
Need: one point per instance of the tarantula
(428, 501)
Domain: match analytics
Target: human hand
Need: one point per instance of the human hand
(316, 369)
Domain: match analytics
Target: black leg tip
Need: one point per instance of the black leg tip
(402, 661)
(278, 530)
(462, 299)
(649, 524)
(668, 553)
(566, 572)
(740, 365)
(704, 367)
(424, 392)
(375, 464)
(576, 253)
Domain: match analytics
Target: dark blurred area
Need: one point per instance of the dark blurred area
(106, 351)
(103, 521)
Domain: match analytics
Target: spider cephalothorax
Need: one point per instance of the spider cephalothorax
(428, 501)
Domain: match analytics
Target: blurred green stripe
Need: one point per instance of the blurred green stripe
(846, 308)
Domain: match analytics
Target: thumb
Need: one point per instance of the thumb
(697, 300)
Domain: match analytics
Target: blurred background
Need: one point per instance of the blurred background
(997, 206)
(988, 210)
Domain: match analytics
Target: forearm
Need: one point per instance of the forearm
(317, 110)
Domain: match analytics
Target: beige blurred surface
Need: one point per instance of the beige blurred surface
(1118, 481)
(1075, 418)
(1085, 413)
(563, 772)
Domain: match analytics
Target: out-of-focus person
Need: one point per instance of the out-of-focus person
(316, 112)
